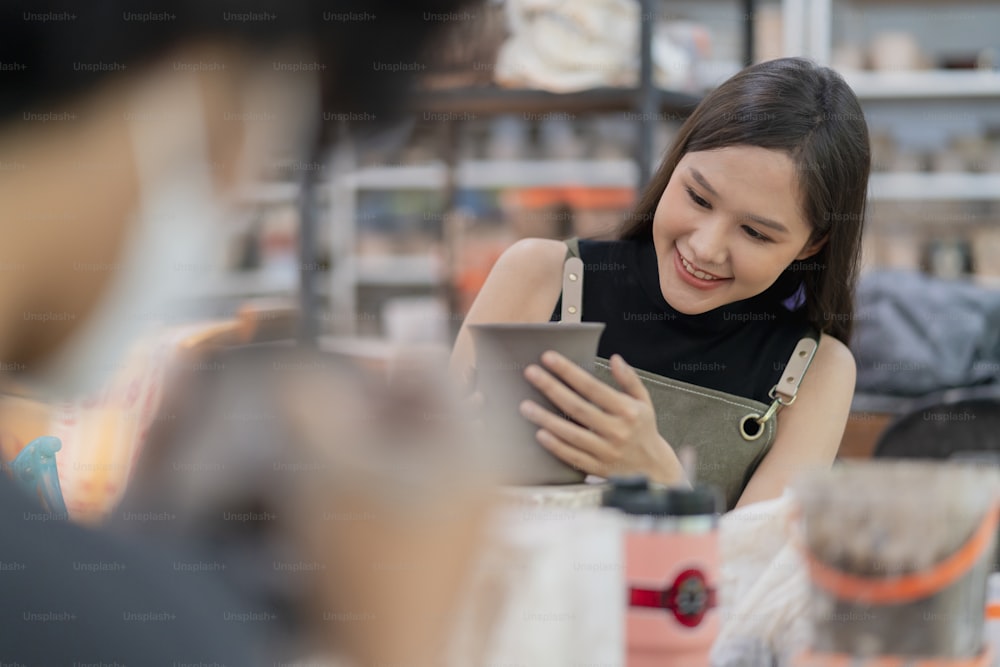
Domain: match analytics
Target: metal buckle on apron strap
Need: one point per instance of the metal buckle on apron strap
(752, 425)
(783, 393)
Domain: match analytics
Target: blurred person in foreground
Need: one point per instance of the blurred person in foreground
(121, 130)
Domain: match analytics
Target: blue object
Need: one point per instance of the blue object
(35, 471)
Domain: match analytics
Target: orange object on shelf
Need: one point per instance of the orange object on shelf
(573, 196)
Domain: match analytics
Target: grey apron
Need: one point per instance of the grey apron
(730, 434)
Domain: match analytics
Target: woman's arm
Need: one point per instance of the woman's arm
(523, 286)
(810, 430)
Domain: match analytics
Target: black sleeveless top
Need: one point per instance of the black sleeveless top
(740, 348)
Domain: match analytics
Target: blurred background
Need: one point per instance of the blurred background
(544, 118)
(510, 137)
(531, 118)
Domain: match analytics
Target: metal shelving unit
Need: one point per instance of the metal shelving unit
(903, 186)
(492, 100)
(648, 103)
(920, 115)
(925, 85)
(490, 174)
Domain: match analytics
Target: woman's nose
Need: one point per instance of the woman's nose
(708, 243)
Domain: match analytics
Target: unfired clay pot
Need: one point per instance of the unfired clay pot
(503, 351)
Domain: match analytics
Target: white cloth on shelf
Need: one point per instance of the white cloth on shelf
(571, 45)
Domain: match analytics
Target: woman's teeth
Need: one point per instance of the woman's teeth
(695, 272)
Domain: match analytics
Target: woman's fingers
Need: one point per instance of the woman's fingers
(571, 403)
(615, 429)
(564, 451)
(582, 382)
(568, 433)
(628, 379)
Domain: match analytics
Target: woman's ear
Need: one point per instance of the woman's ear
(812, 248)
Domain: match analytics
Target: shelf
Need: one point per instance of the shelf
(494, 174)
(402, 177)
(399, 271)
(926, 84)
(269, 193)
(492, 100)
(620, 173)
(386, 270)
(278, 192)
(239, 284)
(990, 282)
(377, 350)
(941, 186)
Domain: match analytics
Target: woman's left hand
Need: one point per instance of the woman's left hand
(615, 431)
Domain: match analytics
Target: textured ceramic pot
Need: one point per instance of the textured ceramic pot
(503, 351)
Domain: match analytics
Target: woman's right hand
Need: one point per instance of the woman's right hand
(609, 431)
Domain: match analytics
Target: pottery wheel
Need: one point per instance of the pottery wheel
(570, 496)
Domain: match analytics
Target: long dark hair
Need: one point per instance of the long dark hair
(792, 105)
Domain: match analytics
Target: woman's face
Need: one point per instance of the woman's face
(727, 225)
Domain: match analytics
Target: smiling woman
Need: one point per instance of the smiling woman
(728, 246)
(733, 276)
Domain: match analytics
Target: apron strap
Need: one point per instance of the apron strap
(572, 247)
(572, 283)
(572, 290)
(796, 369)
(783, 393)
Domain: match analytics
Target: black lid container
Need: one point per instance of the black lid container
(636, 495)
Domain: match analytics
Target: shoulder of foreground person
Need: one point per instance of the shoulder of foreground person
(77, 596)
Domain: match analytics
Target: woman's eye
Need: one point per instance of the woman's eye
(754, 234)
(698, 200)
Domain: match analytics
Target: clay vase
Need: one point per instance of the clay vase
(503, 351)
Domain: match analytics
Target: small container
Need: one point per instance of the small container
(671, 570)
